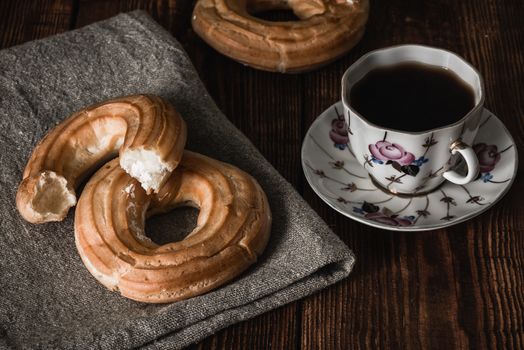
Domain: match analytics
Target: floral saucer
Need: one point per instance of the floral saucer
(338, 178)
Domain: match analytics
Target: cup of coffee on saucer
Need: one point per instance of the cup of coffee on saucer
(409, 110)
(410, 147)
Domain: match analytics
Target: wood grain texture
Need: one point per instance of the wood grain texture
(21, 21)
(456, 288)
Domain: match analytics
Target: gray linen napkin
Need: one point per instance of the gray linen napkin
(47, 298)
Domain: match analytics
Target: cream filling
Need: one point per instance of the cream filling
(145, 166)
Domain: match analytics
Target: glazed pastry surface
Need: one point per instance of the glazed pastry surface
(145, 130)
(232, 229)
(327, 29)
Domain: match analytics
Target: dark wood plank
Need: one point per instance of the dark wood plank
(21, 21)
(461, 287)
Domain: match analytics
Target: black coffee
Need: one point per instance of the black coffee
(412, 97)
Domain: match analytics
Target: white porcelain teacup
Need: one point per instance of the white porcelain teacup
(404, 162)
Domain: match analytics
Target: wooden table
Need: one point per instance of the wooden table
(461, 287)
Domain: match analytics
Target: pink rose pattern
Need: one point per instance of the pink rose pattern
(387, 151)
(487, 155)
(372, 212)
(388, 220)
(395, 155)
(339, 133)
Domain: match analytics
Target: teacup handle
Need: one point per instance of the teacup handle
(472, 163)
